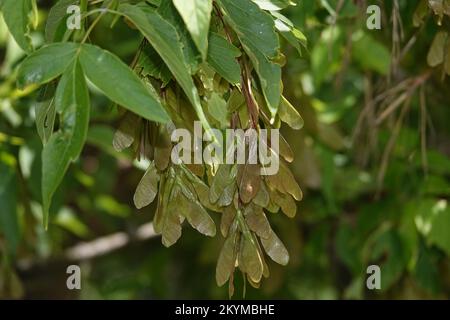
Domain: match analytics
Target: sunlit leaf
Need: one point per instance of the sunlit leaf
(287, 29)
(439, 234)
(273, 5)
(191, 54)
(120, 84)
(196, 15)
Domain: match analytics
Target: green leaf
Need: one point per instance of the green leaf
(388, 248)
(165, 40)
(147, 188)
(65, 145)
(170, 14)
(18, 15)
(292, 35)
(217, 108)
(56, 20)
(236, 101)
(275, 249)
(46, 64)
(73, 103)
(426, 272)
(377, 58)
(151, 64)
(222, 58)
(116, 80)
(326, 56)
(273, 5)
(255, 30)
(68, 220)
(196, 15)
(439, 234)
(9, 224)
(45, 112)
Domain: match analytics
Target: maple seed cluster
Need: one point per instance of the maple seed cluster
(239, 91)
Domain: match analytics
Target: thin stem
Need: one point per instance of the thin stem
(246, 83)
(248, 94)
(225, 26)
(91, 27)
(102, 11)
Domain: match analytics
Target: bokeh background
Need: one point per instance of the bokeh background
(372, 160)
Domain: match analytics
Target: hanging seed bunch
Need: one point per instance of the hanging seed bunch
(238, 82)
(213, 62)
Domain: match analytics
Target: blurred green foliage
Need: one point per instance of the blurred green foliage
(375, 172)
